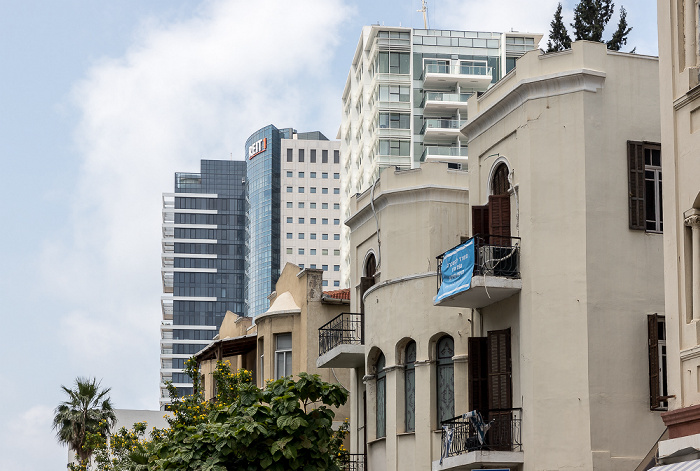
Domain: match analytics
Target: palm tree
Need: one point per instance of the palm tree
(87, 410)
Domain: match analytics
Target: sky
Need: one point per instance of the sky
(100, 103)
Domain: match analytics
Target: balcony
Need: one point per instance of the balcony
(475, 76)
(495, 277)
(353, 462)
(456, 155)
(438, 128)
(462, 447)
(341, 342)
(445, 102)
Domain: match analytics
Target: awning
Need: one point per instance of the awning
(693, 465)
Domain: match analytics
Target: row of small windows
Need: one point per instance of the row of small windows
(208, 291)
(290, 220)
(301, 189)
(210, 249)
(214, 219)
(204, 278)
(290, 174)
(189, 334)
(312, 235)
(312, 205)
(207, 307)
(213, 263)
(191, 349)
(220, 204)
(336, 252)
(312, 156)
(218, 234)
(204, 318)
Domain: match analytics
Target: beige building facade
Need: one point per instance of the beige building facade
(679, 61)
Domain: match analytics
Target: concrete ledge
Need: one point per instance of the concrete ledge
(475, 459)
(484, 291)
(342, 356)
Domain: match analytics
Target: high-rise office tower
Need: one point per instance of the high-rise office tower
(203, 262)
(405, 99)
(230, 229)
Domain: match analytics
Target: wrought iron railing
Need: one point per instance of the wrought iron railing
(353, 462)
(493, 256)
(347, 328)
(504, 433)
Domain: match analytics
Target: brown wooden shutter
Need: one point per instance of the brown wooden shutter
(477, 375)
(480, 221)
(499, 219)
(654, 390)
(366, 282)
(635, 165)
(500, 388)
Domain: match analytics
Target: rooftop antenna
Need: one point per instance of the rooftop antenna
(424, 10)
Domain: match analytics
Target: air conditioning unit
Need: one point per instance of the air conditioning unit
(499, 261)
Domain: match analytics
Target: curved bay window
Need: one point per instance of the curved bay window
(410, 386)
(381, 397)
(445, 379)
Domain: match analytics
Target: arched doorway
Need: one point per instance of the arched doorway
(492, 221)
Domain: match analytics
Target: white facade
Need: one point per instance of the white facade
(310, 209)
(405, 100)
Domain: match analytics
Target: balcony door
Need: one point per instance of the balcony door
(494, 218)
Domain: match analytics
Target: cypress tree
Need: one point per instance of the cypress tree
(559, 38)
(590, 18)
(619, 37)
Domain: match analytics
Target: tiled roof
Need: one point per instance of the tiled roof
(338, 294)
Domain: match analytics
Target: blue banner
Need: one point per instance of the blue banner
(457, 269)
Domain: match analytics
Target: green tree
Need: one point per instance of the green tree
(88, 410)
(559, 38)
(619, 37)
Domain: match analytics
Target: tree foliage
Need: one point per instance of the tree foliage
(590, 19)
(286, 425)
(559, 38)
(87, 412)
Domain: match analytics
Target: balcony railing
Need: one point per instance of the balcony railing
(441, 96)
(353, 462)
(459, 434)
(436, 123)
(345, 329)
(457, 69)
(447, 151)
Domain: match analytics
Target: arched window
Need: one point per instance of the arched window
(410, 386)
(381, 396)
(370, 266)
(499, 183)
(445, 379)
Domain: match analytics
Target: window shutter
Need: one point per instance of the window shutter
(500, 390)
(653, 330)
(499, 219)
(477, 375)
(480, 221)
(366, 282)
(635, 165)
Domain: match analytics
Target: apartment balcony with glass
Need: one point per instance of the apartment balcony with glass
(445, 102)
(441, 128)
(450, 154)
(470, 74)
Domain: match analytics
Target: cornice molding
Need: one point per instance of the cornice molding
(563, 83)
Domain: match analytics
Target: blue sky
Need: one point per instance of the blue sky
(100, 102)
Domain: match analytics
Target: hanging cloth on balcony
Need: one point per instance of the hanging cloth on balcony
(480, 428)
(456, 270)
(447, 443)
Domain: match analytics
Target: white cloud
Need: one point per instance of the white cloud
(27, 433)
(183, 91)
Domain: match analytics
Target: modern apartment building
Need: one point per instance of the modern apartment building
(405, 99)
(228, 231)
(679, 64)
(203, 262)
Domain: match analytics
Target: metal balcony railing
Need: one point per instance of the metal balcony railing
(493, 256)
(460, 436)
(353, 462)
(447, 151)
(345, 329)
(461, 69)
(437, 123)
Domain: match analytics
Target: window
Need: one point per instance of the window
(336, 283)
(395, 93)
(289, 204)
(313, 236)
(336, 267)
(410, 386)
(312, 205)
(336, 236)
(324, 236)
(324, 175)
(301, 155)
(394, 120)
(313, 265)
(290, 220)
(658, 386)
(301, 205)
(301, 265)
(336, 191)
(336, 205)
(644, 165)
(445, 379)
(312, 251)
(312, 156)
(336, 156)
(381, 396)
(289, 189)
(313, 220)
(313, 189)
(290, 174)
(324, 251)
(324, 191)
(324, 221)
(301, 189)
(289, 251)
(336, 176)
(261, 348)
(301, 251)
(312, 174)
(324, 156)
(325, 267)
(289, 155)
(289, 235)
(301, 235)
(394, 147)
(324, 283)
(394, 62)
(283, 355)
(324, 205)
(336, 222)
(301, 220)
(301, 174)
(336, 252)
